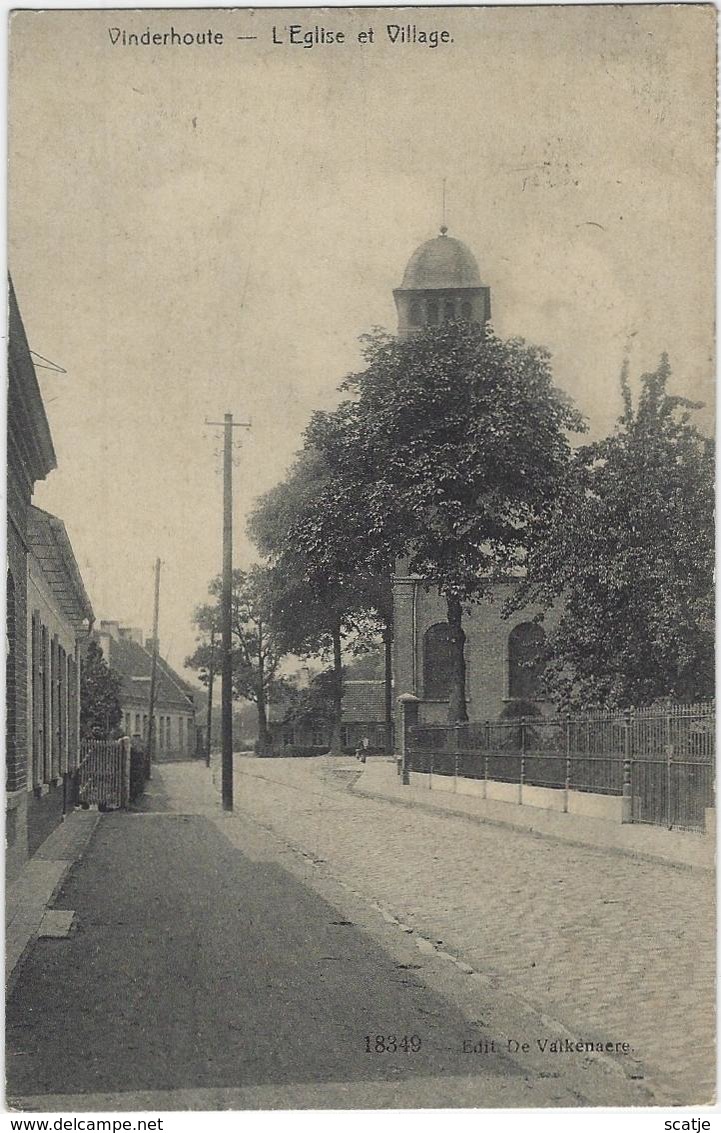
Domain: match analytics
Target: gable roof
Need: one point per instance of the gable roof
(27, 422)
(51, 548)
(133, 664)
(363, 701)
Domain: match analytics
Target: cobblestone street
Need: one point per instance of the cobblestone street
(616, 948)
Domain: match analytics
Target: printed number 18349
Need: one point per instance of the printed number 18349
(390, 1044)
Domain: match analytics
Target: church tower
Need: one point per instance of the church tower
(441, 284)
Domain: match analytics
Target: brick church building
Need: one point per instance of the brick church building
(442, 282)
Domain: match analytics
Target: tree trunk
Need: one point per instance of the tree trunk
(336, 747)
(388, 688)
(263, 737)
(457, 710)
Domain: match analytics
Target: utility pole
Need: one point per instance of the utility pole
(153, 671)
(226, 610)
(211, 677)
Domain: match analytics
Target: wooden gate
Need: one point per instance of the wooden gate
(103, 774)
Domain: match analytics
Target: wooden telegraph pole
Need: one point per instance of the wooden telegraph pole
(153, 670)
(226, 611)
(211, 678)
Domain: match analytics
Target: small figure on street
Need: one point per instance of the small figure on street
(362, 750)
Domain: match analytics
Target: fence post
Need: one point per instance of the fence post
(567, 781)
(523, 760)
(627, 799)
(408, 705)
(125, 789)
(485, 759)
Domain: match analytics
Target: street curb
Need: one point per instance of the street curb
(482, 820)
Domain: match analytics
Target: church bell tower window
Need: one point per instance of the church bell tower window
(467, 310)
(433, 312)
(450, 311)
(415, 315)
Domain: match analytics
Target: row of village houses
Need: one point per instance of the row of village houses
(50, 620)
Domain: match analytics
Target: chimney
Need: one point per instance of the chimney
(112, 629)
(149, 642)
(103, 640)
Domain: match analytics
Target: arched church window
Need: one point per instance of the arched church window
(433, 312)
(449, 312)
(525, 660)
(416, 316)
(467, 310)
(437, 662)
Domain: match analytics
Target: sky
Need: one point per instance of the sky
(209, 229)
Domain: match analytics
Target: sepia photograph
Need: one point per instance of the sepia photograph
(359, 667)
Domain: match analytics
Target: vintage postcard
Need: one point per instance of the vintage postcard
(360, 650)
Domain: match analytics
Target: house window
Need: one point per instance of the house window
(437, 666)
(10, 704)
(47, 710)
(525, 660)
(137, 724)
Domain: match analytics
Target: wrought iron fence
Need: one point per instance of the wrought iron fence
(661, 758)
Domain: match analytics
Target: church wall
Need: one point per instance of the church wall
(486, 650)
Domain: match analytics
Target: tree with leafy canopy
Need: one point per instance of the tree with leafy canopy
(337, 536)
(460, 440)
(321, 599)
(100, 707)
(256, 648)
(628, 554)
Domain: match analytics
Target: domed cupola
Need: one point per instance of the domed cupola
(440, 284)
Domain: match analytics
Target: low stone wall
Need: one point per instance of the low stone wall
(544, 798)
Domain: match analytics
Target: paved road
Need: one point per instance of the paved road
(611, 945)
(204, 973)
(240, 961)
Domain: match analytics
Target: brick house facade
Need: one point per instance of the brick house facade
(30, 457)
(60, 617)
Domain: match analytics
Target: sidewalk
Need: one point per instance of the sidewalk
(27, 899)
(379, 779)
